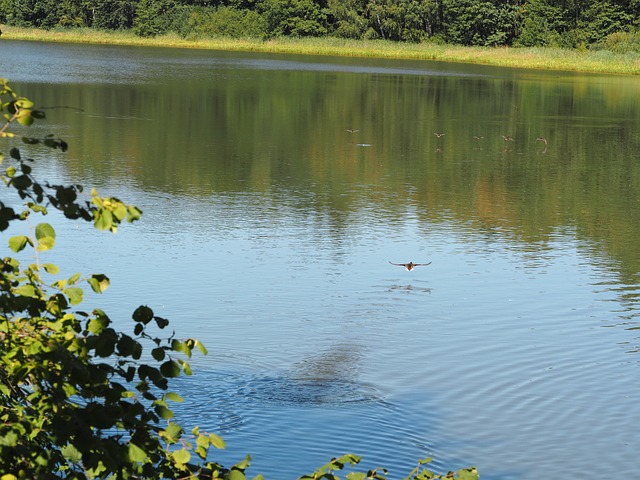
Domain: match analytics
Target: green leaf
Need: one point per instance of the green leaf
(174, 397)
(134, 213)
(143, 314)
(198, 344)
(38, 209)
(177, 345)
(136, 454)
(120, 212)
(468, 474)
(44, 230)
(158, 353)
(26, 290)
(217, 441)
(237, 475)
(202, 443)
(46, 235)
(18, 243)
(186, 367)
(182, 456)
(99, 282)
(9, 439)
(349, 458)
(24, 103)
(98, 324)
(170, 369)
(163, 412)
(24, 117)
(103, 219)
(21, 182)
(356, 476)
(75, 295)
(71, 453)
(51, 268)
(127, 346)
(161, 322)
(45, 244)
(105, 343)
(173, 432)
(243, 464)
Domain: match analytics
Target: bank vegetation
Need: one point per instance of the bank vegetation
(543, 58)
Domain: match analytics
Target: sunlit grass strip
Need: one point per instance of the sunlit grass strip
(537, 58)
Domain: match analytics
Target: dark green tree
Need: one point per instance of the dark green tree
(542, 24)
(111, 14)
(402, 20)
(31, 13)
(479, 22)
(154, 17)
(70, 13)
(602, 18)
(348, 18)
(224, 21)
(296, 18)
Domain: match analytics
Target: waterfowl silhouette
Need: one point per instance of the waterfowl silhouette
(507, 138)
(542, 139)
(478, 137)
(351, 130)
(438, 134)
(410, 266)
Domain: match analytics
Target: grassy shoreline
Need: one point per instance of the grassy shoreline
(535, 58)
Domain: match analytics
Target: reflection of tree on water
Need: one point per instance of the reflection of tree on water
(586, 178)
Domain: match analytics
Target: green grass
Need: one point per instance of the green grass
(536, 58)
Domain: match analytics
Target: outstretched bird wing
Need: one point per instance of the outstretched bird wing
(410, 263)
(398, 264)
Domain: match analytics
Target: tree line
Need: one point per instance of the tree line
(611, 24)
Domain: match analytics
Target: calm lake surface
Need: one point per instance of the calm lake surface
(268, 229)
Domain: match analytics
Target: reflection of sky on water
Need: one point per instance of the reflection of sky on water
(493, 341)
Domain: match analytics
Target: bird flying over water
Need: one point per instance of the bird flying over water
(410, 266)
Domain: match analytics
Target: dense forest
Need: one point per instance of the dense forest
(610, 24)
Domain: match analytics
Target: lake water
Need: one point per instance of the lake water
(268, 229)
